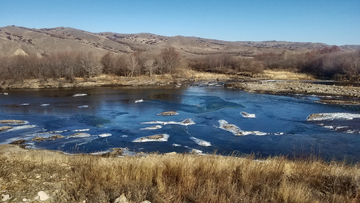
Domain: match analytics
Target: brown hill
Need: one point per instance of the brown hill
(26, 41)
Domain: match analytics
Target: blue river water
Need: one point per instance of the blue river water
(113, 117)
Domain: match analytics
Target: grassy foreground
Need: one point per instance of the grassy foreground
(173, 178)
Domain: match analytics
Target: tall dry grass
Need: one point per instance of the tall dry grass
(177, 178)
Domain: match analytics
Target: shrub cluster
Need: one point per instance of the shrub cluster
(227, 64)
(60, 65)
(326, 63)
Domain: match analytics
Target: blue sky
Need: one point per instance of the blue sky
(328, 21)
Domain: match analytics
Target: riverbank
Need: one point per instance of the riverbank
(49, 176)
(183, 78)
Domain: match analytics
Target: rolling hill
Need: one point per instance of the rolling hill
(16, 40)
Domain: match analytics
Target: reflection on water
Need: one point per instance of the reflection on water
(112, 119)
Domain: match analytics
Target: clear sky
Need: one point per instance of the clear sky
(333, 22)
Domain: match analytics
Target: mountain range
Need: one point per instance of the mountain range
(15, 40)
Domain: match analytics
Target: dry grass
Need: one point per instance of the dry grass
(286, 75)
(174, 178)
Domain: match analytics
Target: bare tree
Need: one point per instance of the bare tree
(170, 59)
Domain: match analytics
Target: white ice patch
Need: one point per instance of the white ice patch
(152, 127)
(185, 122)
(79, 135)
(24, 104)
(236, 130)
(81, 130)
(105, 135)
(22, 127)
(176, 145)
(139, 101)
(340, 127)
(194, 151)
(332, 116)
(44, 105)
(101, 152)
(247, 115)
(83, 106)
(153, 138)
(79, 95)
(201, 142)
(124, 136)
(5, 93)
(329, 127)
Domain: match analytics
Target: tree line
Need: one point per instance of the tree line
(326, 63)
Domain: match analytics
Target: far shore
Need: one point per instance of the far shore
(270, 82)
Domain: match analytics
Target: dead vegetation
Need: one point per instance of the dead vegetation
(174, 178)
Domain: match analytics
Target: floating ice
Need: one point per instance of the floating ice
(201, 142)
(105, 135)
(139, 100)
(82, 130)
(22, 127)
(44, 104)
(194, 151)
(185, 122)
(79, 135)
(83, 106)
(24, 104)
(176, 145)
(5, 93)
(247, 115)
(79, 95)
(152, 127)
(332, 116)
(236, 130)
(153, 138)
(124, 136)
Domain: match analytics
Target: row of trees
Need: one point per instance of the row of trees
(324, 63)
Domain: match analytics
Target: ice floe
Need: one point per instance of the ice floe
(124, 136)
(332, 116)
(176, 145)
(247, 115)
(153, 138)
(83, 106)
(155, 127)
(22, 127)
(44, 105)
(24, 104)
(105, 135)
(194, 151)
(5, 93)
(82, 130)
(139, 101)
(236, 130)
(168, 113)
(201, 142)
(79, 95)
(185, 122)
(79, 135)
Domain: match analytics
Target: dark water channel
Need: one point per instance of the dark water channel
(113, 117)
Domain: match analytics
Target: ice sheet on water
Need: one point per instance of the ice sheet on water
(105, 135)
(22, 127)
(223, 124)
(79, 95)
(247, 115)
(152, 127)
(185, 122)
(201, 142)
(153, 138)
(79, 135)
(332, 116)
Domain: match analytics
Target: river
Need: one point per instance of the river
(96, 120)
